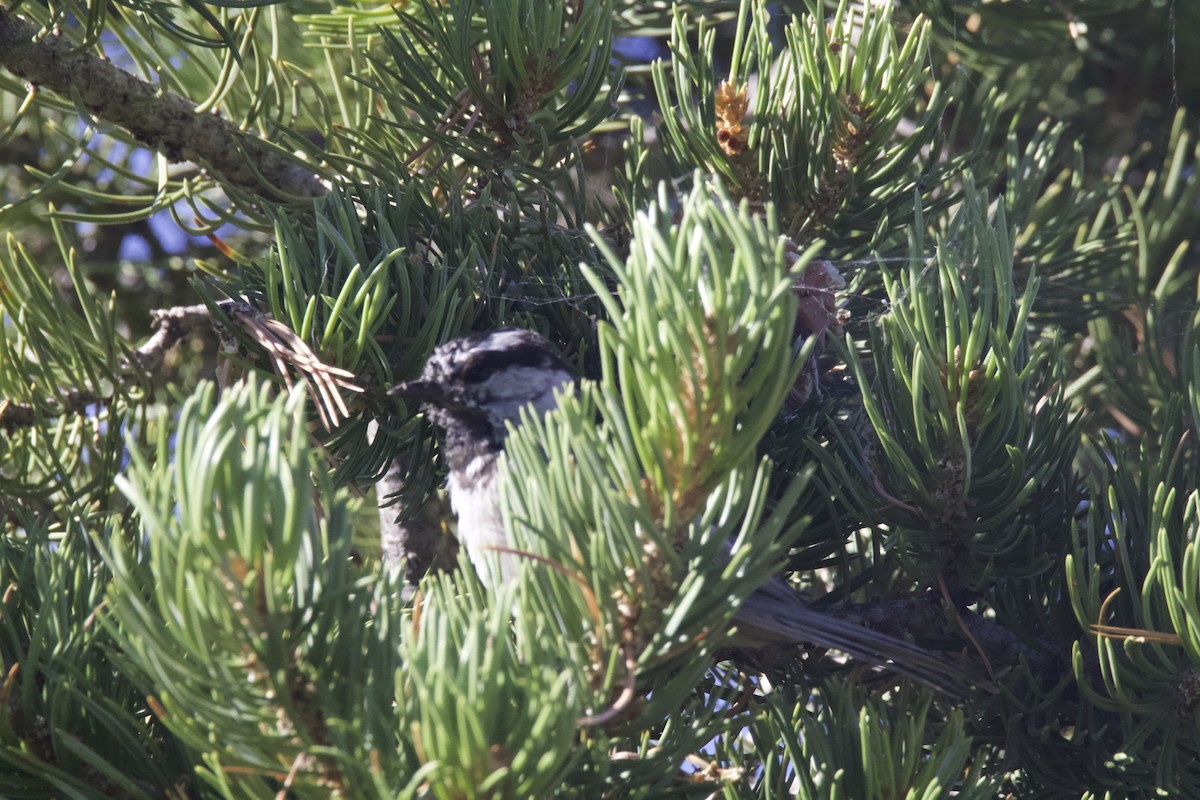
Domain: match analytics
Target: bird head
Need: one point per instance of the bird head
(476, 384)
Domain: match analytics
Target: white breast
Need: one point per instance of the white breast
(474, 496)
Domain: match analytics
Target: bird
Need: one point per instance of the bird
(473, 387)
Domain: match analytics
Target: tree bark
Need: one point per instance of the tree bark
(160, 120)
(410, 538)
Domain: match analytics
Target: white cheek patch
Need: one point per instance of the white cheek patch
(503, 340)
(510, 390)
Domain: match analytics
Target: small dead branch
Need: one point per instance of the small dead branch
(287, 350)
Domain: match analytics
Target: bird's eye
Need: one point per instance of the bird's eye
(477, 371)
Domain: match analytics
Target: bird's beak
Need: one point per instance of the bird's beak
(417, 391)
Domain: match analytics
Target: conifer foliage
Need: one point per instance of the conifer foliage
(899, 301)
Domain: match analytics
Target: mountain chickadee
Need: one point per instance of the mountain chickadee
(473, 386)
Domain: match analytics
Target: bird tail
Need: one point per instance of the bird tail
(776, 615)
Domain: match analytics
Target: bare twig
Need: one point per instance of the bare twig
(1138, 634)
(987, 663)
(454, 112)
(299, 762)
(171, 324)
(285, 348)
(623, 701)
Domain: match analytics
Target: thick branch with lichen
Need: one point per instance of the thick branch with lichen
(161, 120)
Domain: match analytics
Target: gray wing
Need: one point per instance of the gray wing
(776, 615)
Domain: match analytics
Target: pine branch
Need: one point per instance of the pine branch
(172, 325)
(161, 120)
(287, 351)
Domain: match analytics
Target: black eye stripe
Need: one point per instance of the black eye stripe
(481, 366)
